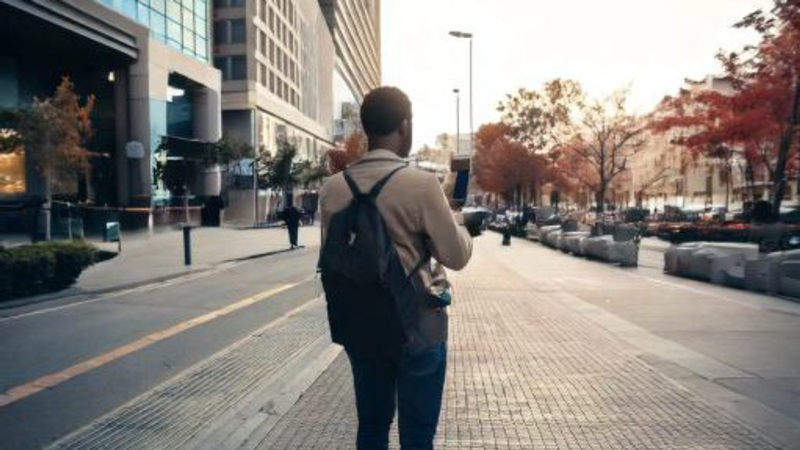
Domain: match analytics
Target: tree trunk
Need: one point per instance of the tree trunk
(783, 154)
(48, 206)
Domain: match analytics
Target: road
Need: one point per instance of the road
(64, 365)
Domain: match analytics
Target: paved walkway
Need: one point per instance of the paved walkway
(526, 371)
(146, 258)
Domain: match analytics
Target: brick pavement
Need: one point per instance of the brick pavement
(526, 372)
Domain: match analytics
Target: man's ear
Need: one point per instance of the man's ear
(405, 127)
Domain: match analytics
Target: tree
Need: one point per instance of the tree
(339, 158)
(539, 119)
(285, 171)
(229, 152)
(503, 166)
(604, 140)
(54, 133)
(767, 80)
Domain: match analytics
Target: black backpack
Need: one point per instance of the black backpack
(372, 303)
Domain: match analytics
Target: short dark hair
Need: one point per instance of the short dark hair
(383, 110)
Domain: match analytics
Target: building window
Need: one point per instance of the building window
(200, 46)
(238, 35)
(159, 5)
(238, 67)
(262, 74)
(220, 32)
(221, 63)
(188, 19)
(158, 25)
(174, 34)
(236, 3)
(262, 11)
(272, 20)
(12, 174)
(173, 10)
(272, 81)
(262, 43)
(272, 52)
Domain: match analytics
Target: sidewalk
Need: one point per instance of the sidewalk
(526, 371)
(146, 258)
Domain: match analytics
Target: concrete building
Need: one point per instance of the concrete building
(666, 174)
(356, 29)
(148, 64)
(276, 59)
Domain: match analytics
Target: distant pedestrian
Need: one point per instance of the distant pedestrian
(382, 221)
(291, 216)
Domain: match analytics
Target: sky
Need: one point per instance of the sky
(649, 45)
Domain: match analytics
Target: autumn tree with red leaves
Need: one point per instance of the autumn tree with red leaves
(353, 148)
(54, 134)
(504, 166)
(760, 118)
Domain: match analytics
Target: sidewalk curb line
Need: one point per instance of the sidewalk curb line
(692, 371)
(255, 419)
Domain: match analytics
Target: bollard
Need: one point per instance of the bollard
(507, 236)
(187, 245)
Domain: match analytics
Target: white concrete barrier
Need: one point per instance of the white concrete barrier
(624, 253)
(790, 277)
(571, 242)
(599, 247)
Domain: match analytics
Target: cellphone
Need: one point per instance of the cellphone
(461, 187)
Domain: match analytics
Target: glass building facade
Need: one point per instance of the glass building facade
(181, 24)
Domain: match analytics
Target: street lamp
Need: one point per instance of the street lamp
(458, 121)
(465, 35)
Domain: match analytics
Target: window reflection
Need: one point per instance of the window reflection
(12, 173)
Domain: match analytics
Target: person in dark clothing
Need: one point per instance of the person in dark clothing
(291, 216)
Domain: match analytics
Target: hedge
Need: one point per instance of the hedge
(43, 267)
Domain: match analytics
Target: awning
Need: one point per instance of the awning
(191, 149)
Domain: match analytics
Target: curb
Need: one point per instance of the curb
(73, 292)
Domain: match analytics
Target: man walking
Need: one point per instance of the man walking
(420, 225)
(291, 216)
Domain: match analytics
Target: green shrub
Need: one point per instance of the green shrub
(43, 267)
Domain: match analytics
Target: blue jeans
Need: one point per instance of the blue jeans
(414, 384)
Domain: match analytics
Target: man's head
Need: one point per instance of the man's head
(386, 118)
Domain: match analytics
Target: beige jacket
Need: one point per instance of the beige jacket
(417, 215)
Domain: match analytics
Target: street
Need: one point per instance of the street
(546, 351)
(49, 341)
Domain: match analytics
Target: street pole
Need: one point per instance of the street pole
(458, 122)
(465, 35)
(471, 116)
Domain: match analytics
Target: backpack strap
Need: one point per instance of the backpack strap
(376, 190)
(351, 184)
(425, 258)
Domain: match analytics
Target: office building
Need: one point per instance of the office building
(356, 29)
(276, 59)
(148, 64)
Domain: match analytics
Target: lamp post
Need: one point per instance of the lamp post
(458, 121)
(465, 35)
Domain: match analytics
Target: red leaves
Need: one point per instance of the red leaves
(341, 157)
(503, 166)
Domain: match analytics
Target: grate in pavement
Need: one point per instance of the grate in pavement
(173, 413)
